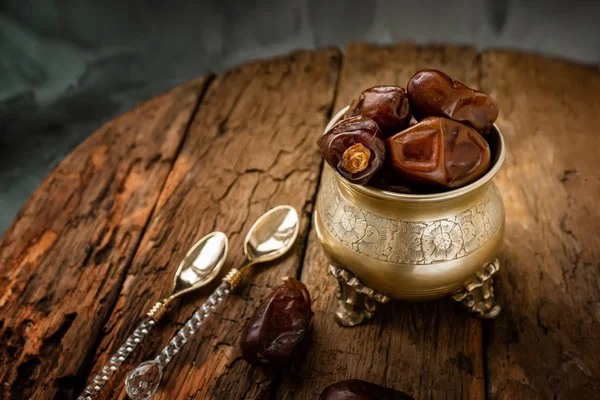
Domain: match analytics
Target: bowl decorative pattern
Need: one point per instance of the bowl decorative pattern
(420, 242)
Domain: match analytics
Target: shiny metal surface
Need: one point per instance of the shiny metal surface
(201, 264)
(199, 267)
(272, 235)
(411, 247)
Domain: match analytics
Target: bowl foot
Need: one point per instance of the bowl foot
(356, 302)
(478, 293)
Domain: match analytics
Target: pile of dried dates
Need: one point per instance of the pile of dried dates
(427, 138)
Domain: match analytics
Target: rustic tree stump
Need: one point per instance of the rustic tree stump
(98, 243)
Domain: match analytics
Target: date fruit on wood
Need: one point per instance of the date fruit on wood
(386, 105)
(279, 326)
(433, 93)
(354, 389)
(439, 151)
(355, 148)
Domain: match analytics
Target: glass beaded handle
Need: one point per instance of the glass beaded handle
(117, 359)
(143, 381)
(200, 266)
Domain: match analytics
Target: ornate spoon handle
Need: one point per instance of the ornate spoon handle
(193, 323)
(200, 266)
(117, 359)
(143, 382)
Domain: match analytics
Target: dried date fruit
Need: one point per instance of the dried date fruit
(355, 148)
(433, 93)
(355, 389)
(279, 326)
(386, 105)
(439, 151)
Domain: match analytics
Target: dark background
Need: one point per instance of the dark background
(68, 66)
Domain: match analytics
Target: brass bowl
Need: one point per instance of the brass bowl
(384, 245)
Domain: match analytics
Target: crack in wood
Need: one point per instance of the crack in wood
(378, 351)
(187, 186)
(551, 230)
(41, 369)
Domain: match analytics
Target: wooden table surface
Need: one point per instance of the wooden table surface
(98, 242)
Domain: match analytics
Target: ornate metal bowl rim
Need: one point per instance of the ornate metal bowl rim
(433, 197)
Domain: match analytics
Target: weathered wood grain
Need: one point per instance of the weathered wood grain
(431, 350)
(546, 343)
(250, 147)
(98, 242)
(63, 260)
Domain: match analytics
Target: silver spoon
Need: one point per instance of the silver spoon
(200, 266)
(269, 238)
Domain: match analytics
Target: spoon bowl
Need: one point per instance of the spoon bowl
(272, 235)
(201, 264)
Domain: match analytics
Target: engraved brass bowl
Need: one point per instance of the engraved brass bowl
(384, 245)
